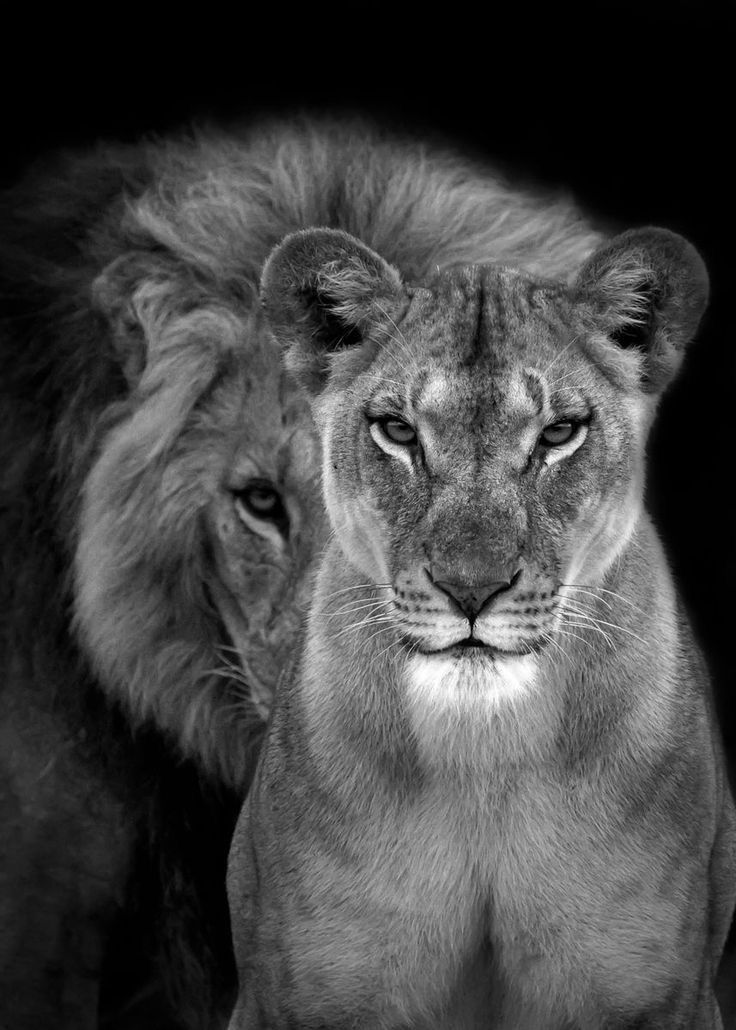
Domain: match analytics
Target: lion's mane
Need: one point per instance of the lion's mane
(196, 242)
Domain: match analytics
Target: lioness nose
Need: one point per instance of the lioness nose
(471, 599)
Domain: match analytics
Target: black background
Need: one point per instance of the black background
(627, 106)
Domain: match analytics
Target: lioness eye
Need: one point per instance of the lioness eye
(557, 433)
(263, 502)
(398, 432)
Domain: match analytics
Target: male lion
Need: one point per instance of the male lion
(493, 794)
(160, 515)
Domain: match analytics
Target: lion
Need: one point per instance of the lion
(161, 518)
(493, 793)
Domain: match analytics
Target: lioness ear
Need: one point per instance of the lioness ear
(322, 291)
(651, 287)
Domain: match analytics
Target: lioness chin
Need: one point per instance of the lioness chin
(493, 793)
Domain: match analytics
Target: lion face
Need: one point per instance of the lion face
(263, 524)
(200, 521)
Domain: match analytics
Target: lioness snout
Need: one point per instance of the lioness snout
(472, 598)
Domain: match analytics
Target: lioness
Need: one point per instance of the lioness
(493, 794)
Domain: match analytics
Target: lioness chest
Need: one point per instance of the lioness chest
(542, 883)
(537, 859)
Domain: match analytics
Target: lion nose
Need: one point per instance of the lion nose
(471, 599)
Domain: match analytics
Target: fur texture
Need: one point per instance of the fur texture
(201, 236)
(493, 794)
(160, 512)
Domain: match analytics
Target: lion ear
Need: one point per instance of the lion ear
(651, 288)
(116, 295)
(323, 291)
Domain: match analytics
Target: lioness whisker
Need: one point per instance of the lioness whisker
(576, 604)
(383, 379)
(573, 636)
(627, 600)
(578, 613)
(569, 621)
(559, 354)
(578, 607)
(393, 643)
(369, 639)
(614, 626)
(574, 372)
(393, 323)
(322, 552)
(371, 620)
(400, 341)
(404, 651)
(351, 602)
(584, 590)
(351, 609)
(358, 586)
(369, 607)
(555, 643)
(612, 593)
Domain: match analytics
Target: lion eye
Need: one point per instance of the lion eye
(558, 433)
(263, 502)
(398, 431)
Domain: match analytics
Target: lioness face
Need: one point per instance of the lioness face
(483, 433)
(481, 463)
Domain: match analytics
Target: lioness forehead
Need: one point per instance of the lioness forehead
(483, 329)
(521, 390)
(486, 312)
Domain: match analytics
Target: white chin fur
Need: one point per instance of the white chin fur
(456, 704)
(457, 682)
